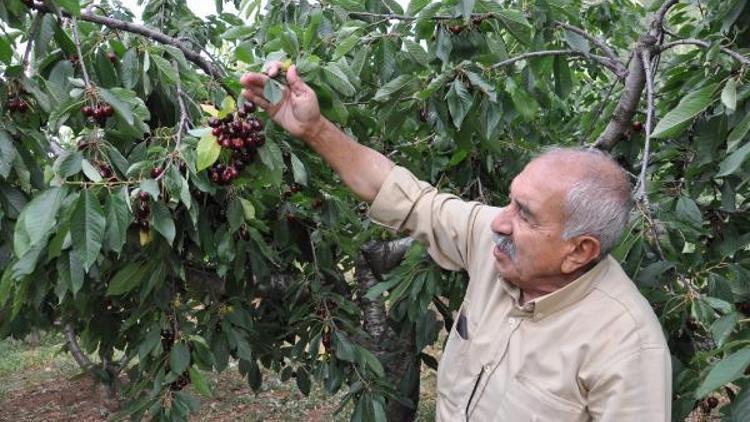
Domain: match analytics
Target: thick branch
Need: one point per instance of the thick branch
(606, 49)
(72, 344)
(382, 257)
(604, 61)
(157, 36)
(700, 43)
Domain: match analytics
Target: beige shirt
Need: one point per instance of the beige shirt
(592, 350)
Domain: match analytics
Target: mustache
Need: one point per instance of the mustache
(505, 244)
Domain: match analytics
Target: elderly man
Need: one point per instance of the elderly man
(551, 328)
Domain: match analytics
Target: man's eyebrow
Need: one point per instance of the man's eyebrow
(524, 209)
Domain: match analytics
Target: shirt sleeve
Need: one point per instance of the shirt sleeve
(449, 227)
(635, 388)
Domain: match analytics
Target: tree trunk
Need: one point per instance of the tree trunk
(397, 351)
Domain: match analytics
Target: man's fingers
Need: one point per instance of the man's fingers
(294, 81)
(248, 80)
(273, 68)
(258, 99)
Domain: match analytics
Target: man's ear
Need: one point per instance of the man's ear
(585, 250)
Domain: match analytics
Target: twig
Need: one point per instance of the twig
(692, 41)
(32, 34)
(77, 40)
(641, 193)
(180, 125)
(606, 62)
(607, 50)
(155, 35)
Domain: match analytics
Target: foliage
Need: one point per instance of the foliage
(112, 223)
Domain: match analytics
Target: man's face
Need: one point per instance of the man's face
(528, 231)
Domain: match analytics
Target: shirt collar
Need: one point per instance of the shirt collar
(561, 298)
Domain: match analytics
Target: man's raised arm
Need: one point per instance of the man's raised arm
(361, 168)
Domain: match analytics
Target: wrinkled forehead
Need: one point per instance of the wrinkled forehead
(543, 185)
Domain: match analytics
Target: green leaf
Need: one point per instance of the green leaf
(6, 52)
(179, 358)
(199, 382)
(247, 209)
(734, 161)
(273, 90)
(515, 16)
(384, 93)
(72, 6)
(161, 220)
(443, 46)
(127, 279)
(577, 42)
(729, 95)
(415, 6)
(459, 102)
(165, 68)
(130, 72)
(90, 171)
(525, 104)
(7, 154)
(68, 163)
(87, 228)
(36, 220)
(738, 133)
(151, 187)
(433, 87)
(235, 215)
(298, 170)
(688, 211)
(689, 107)
(207, 152)
(338, 80)
(416, 52)
(122, 108)
(118, 220)
(727, 370)
(346, 46)
(483, 85)
(563, 77)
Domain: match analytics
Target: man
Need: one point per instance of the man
(551, 328)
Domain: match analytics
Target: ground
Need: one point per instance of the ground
(43, 384)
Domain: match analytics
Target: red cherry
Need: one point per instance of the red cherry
(99, 113)
(156, 172)
(226, 143)
(23, 106)
(637, 126)
(108, 110)
(238, 143)
(213, 122)
(112, 57)
(249, 106)
(87, 110)
(215, 176)
(217, 131)
(143, 195)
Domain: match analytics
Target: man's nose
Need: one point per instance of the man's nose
(501, 223)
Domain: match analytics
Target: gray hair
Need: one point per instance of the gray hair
(599, 204)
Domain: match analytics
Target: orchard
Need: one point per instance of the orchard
(168, 228)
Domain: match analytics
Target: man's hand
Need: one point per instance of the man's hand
(297, 112)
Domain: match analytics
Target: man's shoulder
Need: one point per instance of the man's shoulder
(621, 307)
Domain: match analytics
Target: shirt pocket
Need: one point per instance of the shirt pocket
(525, 401)
(454, 373)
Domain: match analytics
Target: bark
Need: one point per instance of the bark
(397, 351)
(72, 344)
(635, 82)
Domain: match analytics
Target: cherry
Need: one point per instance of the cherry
(326, 339)
(423, 114)
(455, 29)
(712, 402)
(213, 122)
(156, 171)
(217, 131)
(105, 171)
(99, 113)
(87, 110)
(238, 143)
(242, 113)
(112, 57)
(249, 106)
(108, 110)
(215, 176)
(23, 106)
(143, 195)
(637, 126)
(290, 217)
(143, 224)
(317, 202)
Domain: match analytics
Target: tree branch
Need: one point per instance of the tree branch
(32, 33)
(700, 43)
(642, 180)
(382, 257)
(77, 40)
(604, 61)
(155, 35)
(72, 344)
(607, 50)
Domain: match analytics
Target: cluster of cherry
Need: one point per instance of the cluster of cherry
(241, 133)
(17, 104)
(99, 112)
